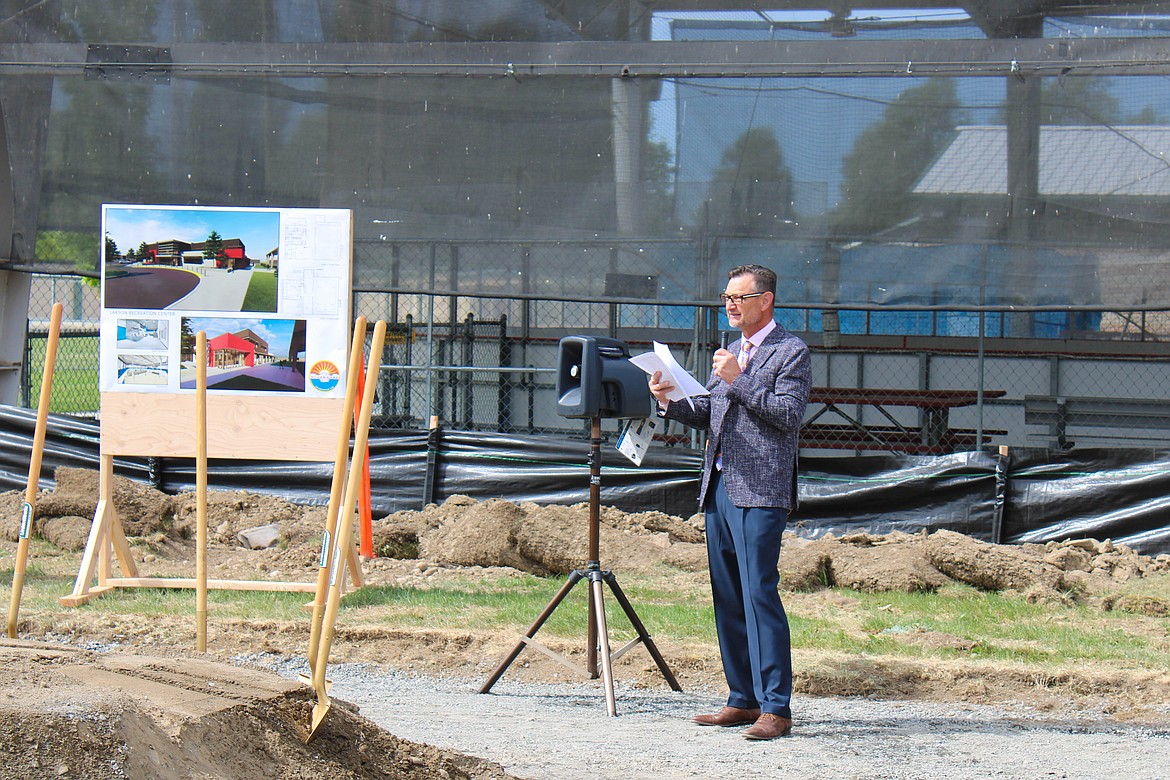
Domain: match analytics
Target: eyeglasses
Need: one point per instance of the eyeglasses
(738, 299)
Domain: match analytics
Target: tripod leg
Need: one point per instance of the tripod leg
(628, 608)
(574, 578)
(603, 642)
(591, 632)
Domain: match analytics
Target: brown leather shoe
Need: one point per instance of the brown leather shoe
(728, 716)
(769, 726)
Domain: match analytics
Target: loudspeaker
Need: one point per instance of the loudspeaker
(596, 379)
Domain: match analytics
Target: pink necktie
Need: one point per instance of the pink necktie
(745, 354)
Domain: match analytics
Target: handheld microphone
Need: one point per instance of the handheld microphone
(724, 339)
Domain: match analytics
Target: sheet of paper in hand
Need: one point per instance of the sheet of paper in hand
(661, 359)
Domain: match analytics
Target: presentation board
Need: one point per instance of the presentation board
(271, 290)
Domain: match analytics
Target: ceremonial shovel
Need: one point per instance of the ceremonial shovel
(28, 508)
(339, 473)
(345, 532)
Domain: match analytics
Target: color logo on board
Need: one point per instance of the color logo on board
(324, 375)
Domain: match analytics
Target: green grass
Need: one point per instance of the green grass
(516, 605)
(974, 625)
(998, 627)
(75, 375)
(261, 295)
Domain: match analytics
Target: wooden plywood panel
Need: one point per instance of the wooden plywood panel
(259, 427)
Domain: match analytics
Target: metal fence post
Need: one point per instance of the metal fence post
(505, 384)
(467, 383)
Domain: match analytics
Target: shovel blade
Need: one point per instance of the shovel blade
(320, 710)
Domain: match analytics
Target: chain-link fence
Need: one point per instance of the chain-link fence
(918, 377)
(75, 373)
(915, 378)
(918, 398)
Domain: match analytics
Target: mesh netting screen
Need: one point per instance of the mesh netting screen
(928, 190)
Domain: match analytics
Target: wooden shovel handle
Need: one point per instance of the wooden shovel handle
(345, 522)
(348, 413)
(28, 509)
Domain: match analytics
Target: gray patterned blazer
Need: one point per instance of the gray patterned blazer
(755, 422)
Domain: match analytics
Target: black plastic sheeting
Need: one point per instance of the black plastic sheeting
(1119, 494)
(1028, 495)
(541, 469)
(910, 493)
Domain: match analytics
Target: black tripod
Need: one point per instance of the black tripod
(598, 639)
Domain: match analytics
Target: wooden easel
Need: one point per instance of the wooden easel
(240, 427)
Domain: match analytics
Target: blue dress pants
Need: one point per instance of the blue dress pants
(743, 549)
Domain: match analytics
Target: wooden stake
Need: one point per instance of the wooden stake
(201, 492)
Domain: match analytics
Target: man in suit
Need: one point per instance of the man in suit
(759, 388)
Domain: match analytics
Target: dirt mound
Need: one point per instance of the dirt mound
(542, 540)
(1071, 570)
(77, 714)
(553, 540)
(989, 566)
(67, 532)
(143, 509)
(477, 535)
(897, 562)
(229, 512)
(83, 715)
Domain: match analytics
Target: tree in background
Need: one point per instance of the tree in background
(1078, 101)
(751, 190)
(890, 156)
(186, 340)
(658, 174)
(112, 250)
(1086, 100)
(213, 250)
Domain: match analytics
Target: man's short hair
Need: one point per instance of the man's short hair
(764, 278)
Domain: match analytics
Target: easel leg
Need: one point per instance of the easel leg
(354, 567)
(109, 517)
(97, 547)
(122, 546)
(117, 535)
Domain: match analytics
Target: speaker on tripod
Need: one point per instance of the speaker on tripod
(594, 380)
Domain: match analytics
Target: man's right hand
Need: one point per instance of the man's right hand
(725, 366)
(660, 389)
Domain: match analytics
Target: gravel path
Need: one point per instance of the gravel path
(560, 730)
